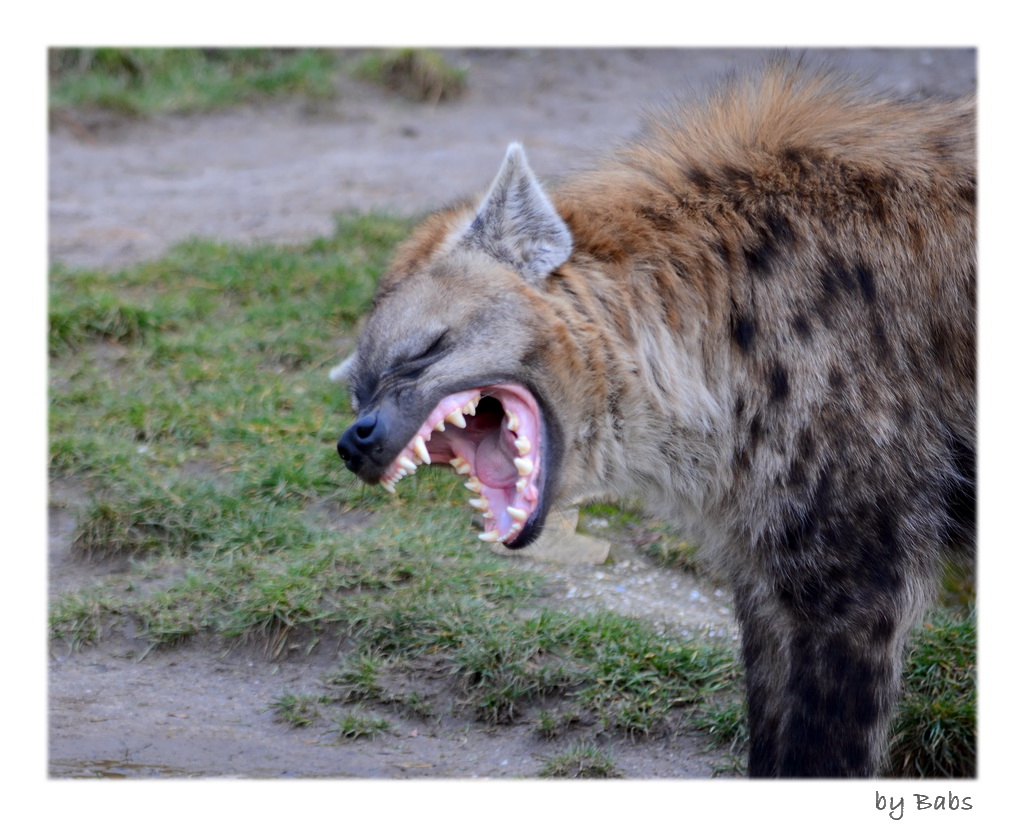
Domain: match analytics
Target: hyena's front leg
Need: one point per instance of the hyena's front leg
(820, 690)
(843, 683)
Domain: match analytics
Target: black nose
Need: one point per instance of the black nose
(359, 440)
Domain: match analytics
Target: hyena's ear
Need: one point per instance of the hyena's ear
(342, 372)
(517, 224)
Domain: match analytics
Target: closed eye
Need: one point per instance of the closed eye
(413, 366)
(433, 349)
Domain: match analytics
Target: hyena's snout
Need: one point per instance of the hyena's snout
(362, 445)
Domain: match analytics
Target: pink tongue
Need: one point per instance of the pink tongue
(493, 467)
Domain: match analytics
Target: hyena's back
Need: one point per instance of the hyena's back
(812, 247)
(760, 317)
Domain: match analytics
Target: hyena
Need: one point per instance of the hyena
(758, 317)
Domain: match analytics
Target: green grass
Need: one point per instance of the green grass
(138, 81)
(298, 710)
(936, 726)
(353, 725)
(421, 75)
(580, 760)
(191, 414)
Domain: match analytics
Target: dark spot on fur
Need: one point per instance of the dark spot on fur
(882, 630)
(774, 235)
(806, 161)
(874, 192)
(866, 281)
(794, 156)
(797, 474)
(743, 330)
(699, 178)
(802, 327)
(778, 227)
(756, 431)
(661, 219)
(778, 383)
(737, 177)
(835, 275)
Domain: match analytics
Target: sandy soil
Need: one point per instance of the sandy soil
(123, 191)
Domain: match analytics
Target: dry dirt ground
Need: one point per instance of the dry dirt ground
(123, 191)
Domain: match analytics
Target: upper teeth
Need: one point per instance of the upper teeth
(456, 418)
(419, 447)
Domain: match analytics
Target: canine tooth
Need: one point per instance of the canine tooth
(479, 503)
(489, 536)
(419, 447)
(513, 421)
(456, 418)
(523, 446)
(407, 464)
(474, 485)
(388, 486)
(517, 514)
(525, 466)
(521, 484)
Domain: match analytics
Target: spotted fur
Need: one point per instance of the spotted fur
(758, 316)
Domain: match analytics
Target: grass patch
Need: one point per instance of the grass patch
(420, 75)
(297, 710)
(354, 725)
(137, 81)
(581, 760)
(936, 729)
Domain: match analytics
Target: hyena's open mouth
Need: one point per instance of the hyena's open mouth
(492, 435)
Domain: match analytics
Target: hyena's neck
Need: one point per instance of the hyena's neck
(648, 414)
